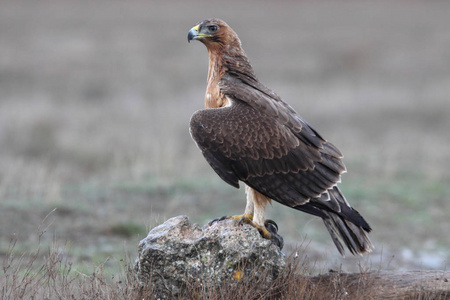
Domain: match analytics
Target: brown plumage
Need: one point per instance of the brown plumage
(247, 133)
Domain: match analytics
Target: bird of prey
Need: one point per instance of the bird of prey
(248, 133)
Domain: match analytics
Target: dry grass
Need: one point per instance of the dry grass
(27, 277)
(48, 273)
(24, 277)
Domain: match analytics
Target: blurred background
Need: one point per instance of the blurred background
(96, 97)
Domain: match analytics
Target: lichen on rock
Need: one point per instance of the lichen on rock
(178, 253)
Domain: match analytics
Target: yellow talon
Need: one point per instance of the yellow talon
(248, 219)
(241, 218)
(265, 233)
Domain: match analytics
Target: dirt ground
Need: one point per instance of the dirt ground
(96, 96)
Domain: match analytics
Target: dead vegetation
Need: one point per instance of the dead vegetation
(48, 274)
(27, 276)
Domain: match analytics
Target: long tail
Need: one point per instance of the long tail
(343, 222)
(353, 236)
(347, 225)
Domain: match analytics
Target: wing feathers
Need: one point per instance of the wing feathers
(266, 151)
(221, 168)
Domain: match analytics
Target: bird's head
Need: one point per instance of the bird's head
(215, 34)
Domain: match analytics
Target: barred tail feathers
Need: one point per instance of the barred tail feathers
(353, 236)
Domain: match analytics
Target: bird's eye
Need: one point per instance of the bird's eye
(213, 28)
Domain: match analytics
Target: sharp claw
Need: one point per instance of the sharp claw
(268, 231)
(216, 220)
(212, 221)
(271, 226)
(243, 220)
(277, 240)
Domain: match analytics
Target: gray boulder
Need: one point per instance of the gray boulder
(178, 254)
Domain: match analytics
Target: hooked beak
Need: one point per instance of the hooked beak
(193, 34)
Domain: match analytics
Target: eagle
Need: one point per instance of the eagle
(248, 133)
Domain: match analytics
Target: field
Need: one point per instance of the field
(95, 101)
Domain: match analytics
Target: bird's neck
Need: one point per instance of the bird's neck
(234, 62)
(213, 97)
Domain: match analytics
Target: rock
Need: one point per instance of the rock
(177, 254)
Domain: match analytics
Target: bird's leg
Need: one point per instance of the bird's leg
(254, 216)
(256, 206)
(248, 215)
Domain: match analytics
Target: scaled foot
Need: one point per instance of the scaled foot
(268, 231)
